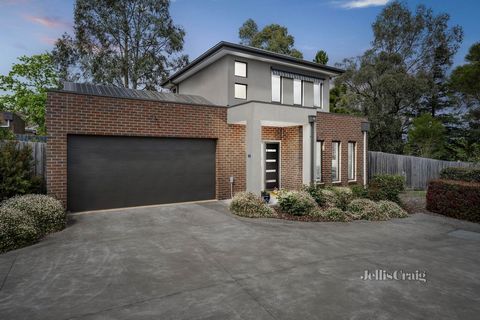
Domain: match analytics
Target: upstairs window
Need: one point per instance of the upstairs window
(297, 91)
(318, 161)
(240, 91)
(318, 95)
(240, 69)
(276, 91)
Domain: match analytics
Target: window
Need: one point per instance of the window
(318, 161)
(276, 94)
(297, 91)
(240, 69)
(351, 161)
(240, 91)
(316, 95)
(335, 161)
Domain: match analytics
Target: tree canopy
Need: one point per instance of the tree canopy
(272, 37)
(321, 57)
(132, 44)
(26, 88)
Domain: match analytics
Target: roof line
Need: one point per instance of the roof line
(134, 98)
(225, 44)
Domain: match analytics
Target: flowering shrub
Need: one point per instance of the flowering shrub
(344, 196)
(47, 212)
(333, 214)
(316, 192)
(392, 209)
(367, 209)
(296, 202)
(17, 229)
(247, 204)
(330, 198)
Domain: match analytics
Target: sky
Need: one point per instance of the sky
(340, 27)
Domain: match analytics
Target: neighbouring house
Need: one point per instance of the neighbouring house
(236, 118)
(12, 122)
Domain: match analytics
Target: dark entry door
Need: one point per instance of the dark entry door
(272, 165)
(114, 172)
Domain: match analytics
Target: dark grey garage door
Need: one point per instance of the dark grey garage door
(114, 172)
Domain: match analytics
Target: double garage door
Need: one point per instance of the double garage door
(114, 172)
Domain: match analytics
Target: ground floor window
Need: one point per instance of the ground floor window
(335, 161)
(318, 161)
(351, 160)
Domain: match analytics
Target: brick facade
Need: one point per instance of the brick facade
(70, 113)
(344, 128)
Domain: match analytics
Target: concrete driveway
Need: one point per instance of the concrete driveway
(197, 261)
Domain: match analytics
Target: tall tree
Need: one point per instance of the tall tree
(426, 138)
(321, 57)
(25, 88)
(128, 43)
(272, 37)
(403, 75)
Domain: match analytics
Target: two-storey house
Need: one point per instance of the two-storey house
(236, 118)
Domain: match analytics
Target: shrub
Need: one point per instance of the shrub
(344, 196)
(16, 175)
(316, 192)
(366, 209)
(47, 212)
(359, 191)
(457, 199)
(297, 203)
(463, 174)
(17, 229)
(333, 214)
(330, 198)
(247, 204)
(386, 187)
(392, 209)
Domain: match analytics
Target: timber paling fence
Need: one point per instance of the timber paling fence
(417, 171)
(39, 155)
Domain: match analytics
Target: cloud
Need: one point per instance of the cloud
(49, 22)
(47, 40)
(358, 4)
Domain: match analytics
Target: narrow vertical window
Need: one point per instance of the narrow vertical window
(335, 161)
(240, 69)
(321, 95)
(297, 91)
(351, 161)
(318, 161)
(316, 95)
(276, 88)
(240, 91)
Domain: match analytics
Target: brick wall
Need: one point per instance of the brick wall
(344, 128)
(69, 113)
(290, 154)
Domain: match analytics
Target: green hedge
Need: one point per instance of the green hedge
(457, 199)
(386, 187)
(297, 203)
(17, 229)
(247, 204)
(463, 174)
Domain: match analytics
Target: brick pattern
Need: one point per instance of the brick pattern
(92, 115)
(291, 160)
(344, 128)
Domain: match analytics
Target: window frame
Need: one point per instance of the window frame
(295, 103)
(338, 162)
(319, 104)
(235, 91)
(319, 161)
(352, 163)
(235, 69)
(279, 89)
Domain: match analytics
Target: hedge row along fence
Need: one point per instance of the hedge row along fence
(456, 199)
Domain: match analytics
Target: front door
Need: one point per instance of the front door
(272, 165)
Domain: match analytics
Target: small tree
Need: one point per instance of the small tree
(321, 57)
(426, 138)
(16, 174)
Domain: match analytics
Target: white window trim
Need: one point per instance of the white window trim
(321, 95)
(339, 162)
(301, 92)
(319, 157)
(235, 69)
(280, 88)
(354, 161)
(246, 91)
